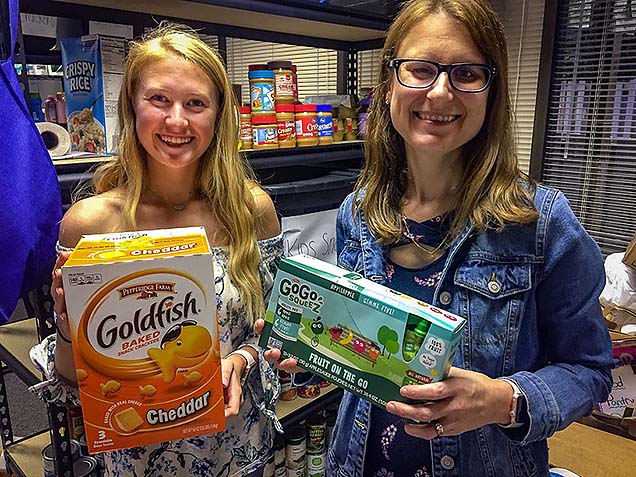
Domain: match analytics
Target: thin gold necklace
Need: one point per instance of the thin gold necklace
(431, 251)
(176, 207)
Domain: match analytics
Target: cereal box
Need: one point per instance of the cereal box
(142, 310)
(93, 73)
(355, 333)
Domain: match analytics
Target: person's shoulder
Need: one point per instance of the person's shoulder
(265, 216)
(92, 215)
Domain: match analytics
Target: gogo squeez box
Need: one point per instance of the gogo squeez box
(355, 333)
(93, 73)
(142, 309)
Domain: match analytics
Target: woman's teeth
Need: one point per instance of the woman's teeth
(175, 141)
(436, 117)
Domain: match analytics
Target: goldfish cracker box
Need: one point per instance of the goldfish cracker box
(93, 73)
(355, 333)
(142, 309)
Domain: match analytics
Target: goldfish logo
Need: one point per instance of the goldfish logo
(184, 345)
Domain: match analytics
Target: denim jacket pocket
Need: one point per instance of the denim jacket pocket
(523, 462)
(351, 256)
(492, 298)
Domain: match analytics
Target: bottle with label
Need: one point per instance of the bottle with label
(245, 127)
(325, 124)
(261, 90)
(284, 80)
(306, 125)
(60, 108)
(50, 109)
(413, 338)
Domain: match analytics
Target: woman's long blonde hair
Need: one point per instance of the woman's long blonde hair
(223, 178)
(493, 190)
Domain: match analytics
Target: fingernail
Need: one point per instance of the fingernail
(391, 407)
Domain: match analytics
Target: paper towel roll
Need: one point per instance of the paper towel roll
(55, 137)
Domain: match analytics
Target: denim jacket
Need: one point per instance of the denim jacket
(530, 298)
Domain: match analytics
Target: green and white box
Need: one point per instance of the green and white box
(355, 333)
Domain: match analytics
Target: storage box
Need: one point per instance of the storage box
(93, 73)
(629, 258)
(142, 310)
(355, 333)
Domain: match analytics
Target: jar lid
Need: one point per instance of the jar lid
(271, 119)
(260, 74)
(305, 108)
(256, 67)
(295, 434)
(245, 110)
(286, 65)
(85, 466)
(323, 108)
(285, 108)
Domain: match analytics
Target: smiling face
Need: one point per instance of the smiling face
(437, 120)
(176, 108)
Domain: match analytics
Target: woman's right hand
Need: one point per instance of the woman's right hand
(57, 292)
(272, 355)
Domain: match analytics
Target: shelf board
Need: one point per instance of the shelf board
(286, 409)
(244, 21)
(16, 339)
(27, 454)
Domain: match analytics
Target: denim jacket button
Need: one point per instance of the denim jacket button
(445, 298)
(494, 287)
(447, 462)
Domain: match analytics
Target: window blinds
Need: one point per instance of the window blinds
(369, 62)
(590, 145)
(317, 68)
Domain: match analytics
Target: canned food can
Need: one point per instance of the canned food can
(86, 466)
(316, 432)
(316, 465)
(296, 448)
(48, 457)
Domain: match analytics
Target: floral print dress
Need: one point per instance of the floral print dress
(247, 441)
(387, 443)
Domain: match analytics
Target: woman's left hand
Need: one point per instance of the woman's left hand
(232, 390)
(464, 401)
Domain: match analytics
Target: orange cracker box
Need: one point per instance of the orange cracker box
(142, 309)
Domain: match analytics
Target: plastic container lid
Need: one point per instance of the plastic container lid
(305, 108)
(256, 67)
(285, 65)
(245, 110)
(422, 328)
(261, 74)
(285, 108)
(323, 108)
(271, 119)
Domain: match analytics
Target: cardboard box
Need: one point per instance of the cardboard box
(93, 74)
(629, 258)
(142, 309)
(355, 333)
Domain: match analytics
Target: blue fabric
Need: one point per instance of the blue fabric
(541, 326)
(31, 204)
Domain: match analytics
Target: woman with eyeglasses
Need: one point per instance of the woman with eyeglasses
(441, 212)
(178, 165)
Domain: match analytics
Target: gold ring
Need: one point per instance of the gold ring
(439, 429)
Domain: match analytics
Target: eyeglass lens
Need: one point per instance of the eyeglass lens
(422, 74)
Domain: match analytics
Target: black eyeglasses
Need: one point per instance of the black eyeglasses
(421, 74)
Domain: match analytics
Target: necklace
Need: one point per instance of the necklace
(176, 207)
(431, 251)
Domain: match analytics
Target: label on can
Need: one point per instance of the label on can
(316, 465)
(295, 455)
(316, 437)
(246, 131)
(306, 126)
(264, 135)
(262, 96)
(286, 131)
(284, 86)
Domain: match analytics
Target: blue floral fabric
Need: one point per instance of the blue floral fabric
(247, 441)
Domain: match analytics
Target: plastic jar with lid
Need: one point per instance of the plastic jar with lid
(325, 124)
(261, 90)
(284, 79)
(286, 122)
(245, 127)
(264, 132)
(306, 125)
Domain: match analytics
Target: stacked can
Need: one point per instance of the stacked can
(296, 451)
(316, 448)
(280, 464)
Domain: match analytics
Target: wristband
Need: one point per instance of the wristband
(516, 406)
(249, 359)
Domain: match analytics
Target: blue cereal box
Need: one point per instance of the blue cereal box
(355, 333)
(93, 72)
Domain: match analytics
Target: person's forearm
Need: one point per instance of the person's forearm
(64, 361)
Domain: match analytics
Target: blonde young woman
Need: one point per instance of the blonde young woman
(178, 166)
(442, 213)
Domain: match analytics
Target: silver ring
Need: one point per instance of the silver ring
(439, 429)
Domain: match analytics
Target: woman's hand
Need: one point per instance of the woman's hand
(272, 355)
(232, 390)
(57, 292)
(466, 400)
